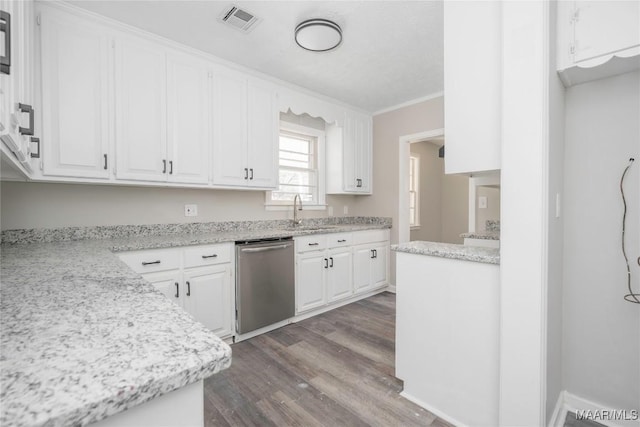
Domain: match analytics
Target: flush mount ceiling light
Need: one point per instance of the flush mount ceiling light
(318, 35)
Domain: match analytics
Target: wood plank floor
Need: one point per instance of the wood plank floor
(335, 369)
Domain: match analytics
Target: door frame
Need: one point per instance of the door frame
(403, 170)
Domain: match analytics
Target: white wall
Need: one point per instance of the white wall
(47, 205)
(492, 211)
(556, 227)
(601, 344)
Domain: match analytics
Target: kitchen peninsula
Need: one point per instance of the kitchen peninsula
(447, 329)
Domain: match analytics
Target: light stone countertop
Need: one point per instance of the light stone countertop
(484, 235)
(451, 251)
(84, 337)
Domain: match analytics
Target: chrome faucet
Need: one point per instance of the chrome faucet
(296, 221)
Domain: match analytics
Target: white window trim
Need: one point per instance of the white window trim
(320, 135)
(416, 226)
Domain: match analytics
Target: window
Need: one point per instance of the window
(300, 167)
(414, 191)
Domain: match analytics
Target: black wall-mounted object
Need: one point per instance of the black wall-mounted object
(5, 27)
(441, 152)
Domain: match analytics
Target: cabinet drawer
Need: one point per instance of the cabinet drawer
(338, 240)
(207, 255)
(151, 261)
(310, 243)
(369, 236)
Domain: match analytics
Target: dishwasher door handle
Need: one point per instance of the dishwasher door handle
(266, 248)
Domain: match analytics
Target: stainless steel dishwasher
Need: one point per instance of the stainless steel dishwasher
(265, 290)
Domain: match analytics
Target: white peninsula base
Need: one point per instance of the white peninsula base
(447, 336)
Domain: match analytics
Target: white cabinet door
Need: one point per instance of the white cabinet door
(75, 98)
(362, 256)
(310, 281)
(141, 111)
(188, 115)
(350, 148)
(379, 265)
(339, 275)
(363, 153)
(472, 86)
(605, 27)
(230, 129)
(169, 283)
(262, 149)
(207, 296)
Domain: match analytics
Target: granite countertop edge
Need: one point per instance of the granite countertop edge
(483, 235)
(450, 251)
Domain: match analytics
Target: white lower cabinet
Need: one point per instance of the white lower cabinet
(310, 281)
(208, 295)
(199, 279)
(333, 267)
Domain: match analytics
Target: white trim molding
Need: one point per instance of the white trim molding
(568, 402)
(409, 103)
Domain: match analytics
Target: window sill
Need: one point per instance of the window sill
(290, 207)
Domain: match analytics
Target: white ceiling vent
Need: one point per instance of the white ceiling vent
(238, 18)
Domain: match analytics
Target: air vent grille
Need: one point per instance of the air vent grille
(239, 19)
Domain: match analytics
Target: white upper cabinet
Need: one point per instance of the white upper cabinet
(245, 131)
(189, 118)
(597, 39)
(141, 111)
(230, 129)
(263, 131)
(17, 109)
(75, 99)
(472, 86)
(349, 155)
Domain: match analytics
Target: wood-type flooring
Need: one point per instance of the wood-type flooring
(334, 369)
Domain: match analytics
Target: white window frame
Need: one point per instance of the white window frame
(416, 188)
(272, 205)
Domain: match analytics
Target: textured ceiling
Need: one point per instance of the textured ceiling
(392, 51)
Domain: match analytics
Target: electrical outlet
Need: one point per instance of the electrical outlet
(345, 210)
(190, 210)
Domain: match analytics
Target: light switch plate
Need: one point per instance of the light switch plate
(190, 210)
(482, 202)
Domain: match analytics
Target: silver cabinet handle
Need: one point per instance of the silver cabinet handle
(342, 240)
(326, 263)
(25, 108)
(246, 173)
(266, 248)
(164, 166)
(314, 244)
(150, 262)
(209, 256)
(170, 167)
(188, 289)
(177, 290)
(331, 259)
(251, 171)
(37, 141)
(105, 162)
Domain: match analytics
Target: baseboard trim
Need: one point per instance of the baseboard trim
(391, 288)
(568, 402)
(435, 411)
